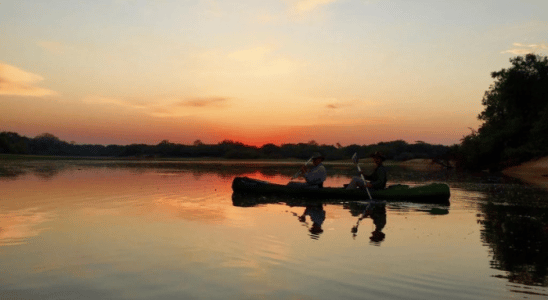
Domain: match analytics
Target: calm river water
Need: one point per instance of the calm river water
(173, 230)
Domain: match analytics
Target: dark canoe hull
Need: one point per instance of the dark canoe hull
(435, 193)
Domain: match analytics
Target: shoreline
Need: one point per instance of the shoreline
(417, 164)
(534, 172)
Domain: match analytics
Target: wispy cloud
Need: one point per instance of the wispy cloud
(203, 102)
(302, 6)
(213, 9)
(54, 47)
(16, 82)
(94, 99)
(520, 49)
(340, 104)
(163, 106)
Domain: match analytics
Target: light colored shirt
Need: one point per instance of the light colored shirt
(317, 175)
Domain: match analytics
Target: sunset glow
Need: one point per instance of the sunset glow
(257, 72)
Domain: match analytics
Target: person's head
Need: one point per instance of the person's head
(378, 157)
(316, 229)
(377, 237)
(317, 158)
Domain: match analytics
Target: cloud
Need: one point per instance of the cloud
(203, 102)
(520, 49)
(338, 105)
(162, 106)
(16, 82)
(121, 102)
(54, 47)
(302, 6)
(213, 8)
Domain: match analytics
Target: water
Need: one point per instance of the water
(171, 230)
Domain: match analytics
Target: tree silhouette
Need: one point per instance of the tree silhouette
(515, 116)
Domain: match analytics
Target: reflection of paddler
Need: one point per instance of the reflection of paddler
(377, 212)
(317, 216)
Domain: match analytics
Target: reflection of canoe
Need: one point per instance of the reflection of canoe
(430, 193)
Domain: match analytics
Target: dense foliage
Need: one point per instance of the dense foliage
(515, 127)
(48, 144)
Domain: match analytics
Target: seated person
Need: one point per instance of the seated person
(317, 215)
(377, 179)
(314, 176)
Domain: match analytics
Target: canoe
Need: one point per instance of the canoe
(435, 193)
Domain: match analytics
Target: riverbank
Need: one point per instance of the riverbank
(533, 172)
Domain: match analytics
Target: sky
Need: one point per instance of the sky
(257, 72)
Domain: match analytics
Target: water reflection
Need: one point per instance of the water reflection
(20, 225)
(518, 239)
(374, 210)
(316, 214)
(104, 222)
(225, 169)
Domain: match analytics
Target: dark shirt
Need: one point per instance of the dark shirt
(378, 178)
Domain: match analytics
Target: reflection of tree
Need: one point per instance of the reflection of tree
(48, 171)
(11, 172)
(518, 238)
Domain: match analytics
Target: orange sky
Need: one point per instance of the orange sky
(276, 71)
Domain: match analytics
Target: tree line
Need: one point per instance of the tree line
(48, 144)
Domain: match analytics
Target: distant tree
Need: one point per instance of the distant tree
(47, 137)
(270, 151)
(11, 142)
(197, 143)
(49, 144)
(133, 150)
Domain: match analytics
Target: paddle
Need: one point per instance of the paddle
(354, 229)
(355, 160)
(299, 173)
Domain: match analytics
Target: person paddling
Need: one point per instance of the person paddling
(315, 176)
(377, 179)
